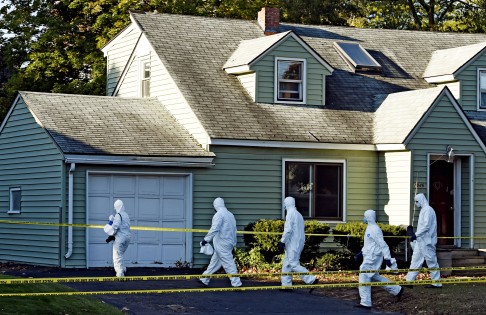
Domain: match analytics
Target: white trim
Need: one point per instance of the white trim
(440, 79)
(478, 89)
(344, 179)
(128, 64)
(304, 81)
(293, 145)
(189, 203)
(471, 202)
(390, 147)
(135, 160)
(238, 69)
(10, 201)
(124, 32)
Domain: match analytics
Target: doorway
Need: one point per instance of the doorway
(441, 195)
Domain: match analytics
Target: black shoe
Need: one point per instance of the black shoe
(204, 284)
(431, 286)
(363, 306)
(286, 290)
(312, 289)
(399, 295)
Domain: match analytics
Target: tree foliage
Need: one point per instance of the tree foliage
(54, 46)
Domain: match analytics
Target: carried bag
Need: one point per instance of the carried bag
(206, 249)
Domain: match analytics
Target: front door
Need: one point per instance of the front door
(441, 192)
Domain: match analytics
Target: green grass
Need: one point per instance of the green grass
(58, 305)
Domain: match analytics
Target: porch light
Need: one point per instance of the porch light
(450, 154)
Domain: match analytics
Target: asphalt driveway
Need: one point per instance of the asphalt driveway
(244, 302)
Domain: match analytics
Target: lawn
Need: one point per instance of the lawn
(58, 305)
(461, 298)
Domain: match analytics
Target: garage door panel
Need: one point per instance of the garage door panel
(150, 237)
(124, 185)
(148, 208)
(99, 184)
(101, 255)
(173, 237)
(150, 200)
(173, 209)
(100, 208)
(173, 186)
(149, 185)
(149, 254)
(173, 253)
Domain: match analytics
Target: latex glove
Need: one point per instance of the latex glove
(203, 242)
(388, 263)
(358, 257)
(281, 246)
(413, 238)
(110, 238)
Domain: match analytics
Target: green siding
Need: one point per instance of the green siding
(469, 85)
(445, 127)
(289, 48)
(30, 160)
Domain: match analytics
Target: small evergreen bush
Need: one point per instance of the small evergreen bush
(354, 242)
(335, 260)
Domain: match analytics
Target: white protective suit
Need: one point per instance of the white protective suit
(121, 227)
(424, 248)
(374, 251)
(223, 235)
(293, 237)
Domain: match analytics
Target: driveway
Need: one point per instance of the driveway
(240, 302)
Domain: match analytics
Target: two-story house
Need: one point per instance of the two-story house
(343, 119)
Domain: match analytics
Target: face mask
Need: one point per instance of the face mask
(417, 204)
(365, 220)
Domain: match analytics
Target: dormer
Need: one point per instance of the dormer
(280, 69)
(463, 70)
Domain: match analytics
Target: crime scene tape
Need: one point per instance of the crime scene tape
(254, 288)
(164, 229)
(197, 276)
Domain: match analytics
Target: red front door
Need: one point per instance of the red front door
(442, 198)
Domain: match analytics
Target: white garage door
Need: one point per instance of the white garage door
(150, 200)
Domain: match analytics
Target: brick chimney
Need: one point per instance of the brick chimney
(269, 20)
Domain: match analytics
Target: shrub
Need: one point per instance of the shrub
(356, 230)
(335, 260)
(263, 247)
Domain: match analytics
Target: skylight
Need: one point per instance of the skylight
(357, 57)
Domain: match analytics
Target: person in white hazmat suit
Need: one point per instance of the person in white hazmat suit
(374, 251)
(424, 242)
(223, 235)
(292, 241)
(122, 235)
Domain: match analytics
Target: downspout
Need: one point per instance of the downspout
(70, 211)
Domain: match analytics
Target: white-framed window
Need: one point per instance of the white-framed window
(15, 199)
(482, 89)
(318, 188)
(145, 78)
(290, 80)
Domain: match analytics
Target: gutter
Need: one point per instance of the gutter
(70, 211)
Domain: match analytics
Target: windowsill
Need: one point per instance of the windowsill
(13, 212)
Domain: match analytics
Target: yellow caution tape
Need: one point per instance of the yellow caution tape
(164, 229)
(254, 288)
(197, 276)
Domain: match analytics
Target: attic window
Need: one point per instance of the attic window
(145, 88)
(290, 80)
(357, 57)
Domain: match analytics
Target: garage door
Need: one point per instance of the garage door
(150, 200)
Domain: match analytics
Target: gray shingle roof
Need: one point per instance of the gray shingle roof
(395, 119)
(249, 50)
(82, 124)
(448, 61)
(194, 50)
